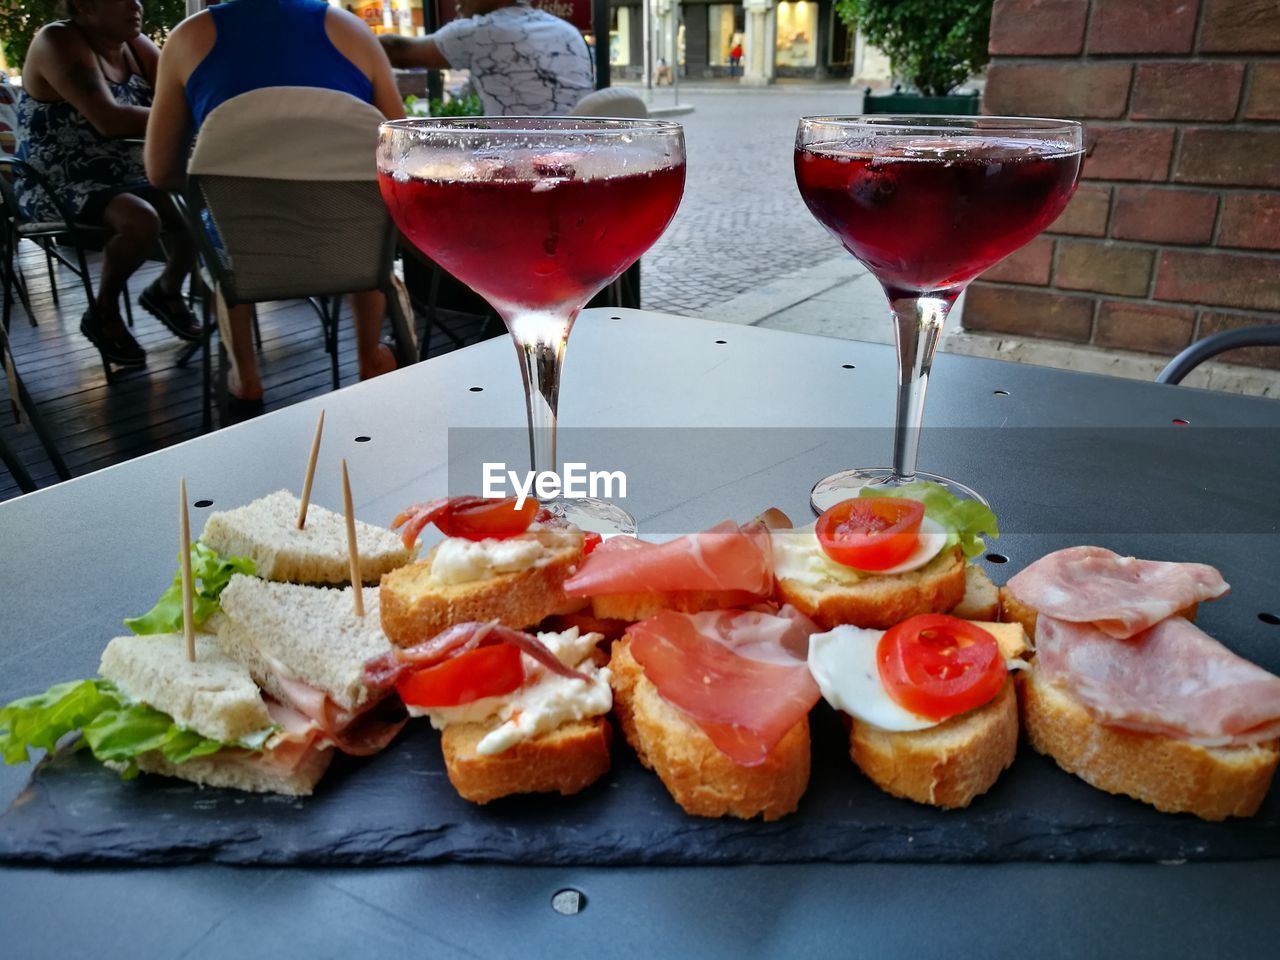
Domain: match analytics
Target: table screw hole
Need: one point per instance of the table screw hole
(201, 504)
(568, 902)
(363, 439)
(722, 341)
(1270, 618)
(1179, 422)
(997, 558)
(476, 389)
(615, 318)
(847, 366)
(1000, 393)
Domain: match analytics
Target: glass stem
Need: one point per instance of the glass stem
(918, 323)
(540, 340)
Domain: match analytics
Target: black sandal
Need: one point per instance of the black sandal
(170, 310)
(120, 349)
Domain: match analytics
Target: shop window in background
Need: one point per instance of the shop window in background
(388, 16)
(620, 36)
(725, 25)
(797, 34)
(842, 39)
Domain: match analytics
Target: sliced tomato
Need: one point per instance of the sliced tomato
(939, 666)
(488, 519)
(590, 540)
(870, 533)
(483, 672)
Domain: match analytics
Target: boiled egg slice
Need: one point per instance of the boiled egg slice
(843, 662)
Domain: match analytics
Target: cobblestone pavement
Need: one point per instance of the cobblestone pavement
(742, 222)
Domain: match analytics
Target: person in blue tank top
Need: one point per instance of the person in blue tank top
(244, 45)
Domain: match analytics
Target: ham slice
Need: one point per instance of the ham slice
(1121, 596)
(726, 557)
(1173, 679)
(740, 675)
(359, 733)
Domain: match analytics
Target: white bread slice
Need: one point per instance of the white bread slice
(416, 606)
(214, 696)
(1172, 775)
(240, 771)
(879, 602)
(947, 765)
(266, 531)
(701, 779)
(565, 760)
(310, 632)
(981, 600)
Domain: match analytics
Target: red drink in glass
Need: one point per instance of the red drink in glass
(926, 217)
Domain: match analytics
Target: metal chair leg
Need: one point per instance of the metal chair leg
(16, 467)
(48, 261)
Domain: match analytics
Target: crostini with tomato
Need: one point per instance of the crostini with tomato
(886, 555)
(498, 562)
(933, 716)
(520, 713)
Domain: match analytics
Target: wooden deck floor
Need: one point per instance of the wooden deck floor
(97, 424)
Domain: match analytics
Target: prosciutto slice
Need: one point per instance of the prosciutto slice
(1173, 679)
(1121, 596)
(740, 675)
(727, 557)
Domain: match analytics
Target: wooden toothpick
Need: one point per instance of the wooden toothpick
(357, 584)
(311, 473)
(184, 546)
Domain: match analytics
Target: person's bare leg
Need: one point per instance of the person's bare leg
(372, 356)
(243, 379)
(133, 225)
(182, 253)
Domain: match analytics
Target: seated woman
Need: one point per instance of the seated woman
(246, 45)
(87, 84)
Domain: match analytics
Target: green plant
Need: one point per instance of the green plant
(21, 19)
(937, 44)
(453, 107)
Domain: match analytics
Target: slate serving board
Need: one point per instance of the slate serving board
(398, 807)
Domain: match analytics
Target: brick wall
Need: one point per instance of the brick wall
(1174, 232)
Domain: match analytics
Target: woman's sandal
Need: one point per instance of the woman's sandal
(171, 310)
(120, 349)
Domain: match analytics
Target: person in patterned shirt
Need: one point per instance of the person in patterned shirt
(523, 62)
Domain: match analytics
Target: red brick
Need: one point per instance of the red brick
(1030, 264)
(1043, 28)
(1250, 220)
(1242, 158)
(1086, 213)
(1143, 26)
(1103, 268)
(1128, 153)
(1219, 279)
(1140, 326)
(1057, 89)
(1164, 215)
(1186, 91)
(1264, 93)
(1211, 323)
(1032, 313)
(1240, 26)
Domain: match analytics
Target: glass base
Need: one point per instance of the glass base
(600, 516)
(845, 485)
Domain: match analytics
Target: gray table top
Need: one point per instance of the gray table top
(1065, 458)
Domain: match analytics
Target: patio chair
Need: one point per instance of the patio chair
(1211, 346)
(283, 203)
(22, 405)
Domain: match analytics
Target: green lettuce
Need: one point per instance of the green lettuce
(111, 727)
(966, 521)
(210, 573)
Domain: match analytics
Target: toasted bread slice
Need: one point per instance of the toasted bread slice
(416, 605)
(981, 600)
(703, 781)
(1013, 610)
(881, 601)
(631, 607)
(240, 772)
(1172, 775)
(947, 765)
(566, 760)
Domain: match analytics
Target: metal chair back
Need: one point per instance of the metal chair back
(1211, 346)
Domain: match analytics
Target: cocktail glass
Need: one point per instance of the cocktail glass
(537, 215)
(927, 204)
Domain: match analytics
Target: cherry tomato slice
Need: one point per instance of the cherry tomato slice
(939, 666)
(870, 533)
(590, 540)
(483, 672)
(489, 519)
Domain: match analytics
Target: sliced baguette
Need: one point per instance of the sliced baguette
(566, 760)
(416, 606)
(879, 602)
(981, 600)
(631, 607)
(701, 779)
(1172, 775)
(947, 765)
(239, 771)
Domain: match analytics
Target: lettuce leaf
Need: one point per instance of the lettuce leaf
(113, 729)
(966, 520)
(210, 573)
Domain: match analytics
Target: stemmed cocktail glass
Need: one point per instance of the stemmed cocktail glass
(537, 215)
(927, 204)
